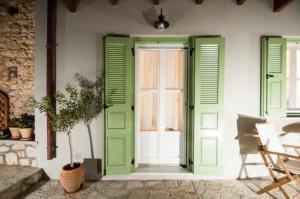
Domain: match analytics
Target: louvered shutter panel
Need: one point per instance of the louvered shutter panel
(209, 70)
(118, 95)
(273, 77)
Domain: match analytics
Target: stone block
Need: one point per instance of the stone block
(24, 162)
(21, 154)
(11, 158)
(31, 152)
(1, 159)
(4, 149)
(18, 146)
(34, 163)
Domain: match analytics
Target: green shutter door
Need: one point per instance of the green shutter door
(273, 76)
(190, 107)
(209, 71)
(118, 95)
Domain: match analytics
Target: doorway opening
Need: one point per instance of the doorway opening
(160, 81)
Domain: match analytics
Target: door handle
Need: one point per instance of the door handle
(269, 76)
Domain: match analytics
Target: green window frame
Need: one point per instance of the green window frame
(205, 91)
(273, 101)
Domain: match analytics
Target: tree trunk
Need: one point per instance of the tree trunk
(91, 140)
(71, 150)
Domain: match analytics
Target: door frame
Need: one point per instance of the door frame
(183, 144)
(164, 40)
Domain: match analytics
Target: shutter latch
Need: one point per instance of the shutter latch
(105, 106)
(191, 161)
(132, 108)
(269, 76)
(133, 161)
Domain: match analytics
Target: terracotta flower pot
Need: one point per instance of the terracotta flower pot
(72, 178)
(26, 132)
(15, 132)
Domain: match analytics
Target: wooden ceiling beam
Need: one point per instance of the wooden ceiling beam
(71, 5)
(199, 2)
(114, 2)
(280, 4)
(155, 2)
(240, 2)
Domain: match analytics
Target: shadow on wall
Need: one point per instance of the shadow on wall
(247, 144)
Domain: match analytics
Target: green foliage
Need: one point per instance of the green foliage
(80, 103)
(14, 122)
(90, 97)
(27, 121)
(66, 114)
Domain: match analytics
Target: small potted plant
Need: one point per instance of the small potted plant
(14, 127)
(26, 126)
(63, 120)
(4, 134)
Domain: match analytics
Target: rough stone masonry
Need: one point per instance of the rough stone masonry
(17, 36)
(18, 153)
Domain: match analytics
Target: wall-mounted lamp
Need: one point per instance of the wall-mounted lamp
(161, 23)
(12, 72)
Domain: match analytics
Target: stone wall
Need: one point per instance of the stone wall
(18, 153)
(17, 50)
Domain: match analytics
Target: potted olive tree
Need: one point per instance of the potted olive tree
(90, 103)
(63, 120)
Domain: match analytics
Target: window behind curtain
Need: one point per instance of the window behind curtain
(293, 77)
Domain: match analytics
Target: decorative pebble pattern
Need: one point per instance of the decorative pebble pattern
(163, 189)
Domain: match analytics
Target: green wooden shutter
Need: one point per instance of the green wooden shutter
(118, 95)
(190, 106)
(209, 80)
(273, 76)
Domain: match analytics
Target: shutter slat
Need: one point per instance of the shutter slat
(209, 73)
(274, 58)
(116, 73)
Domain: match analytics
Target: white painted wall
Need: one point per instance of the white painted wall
(80, 50)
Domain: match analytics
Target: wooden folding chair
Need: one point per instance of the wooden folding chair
(276, 159)
(247, 144)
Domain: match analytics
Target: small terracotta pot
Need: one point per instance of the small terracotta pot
(72, 178)
(26, 132)
(15, 132)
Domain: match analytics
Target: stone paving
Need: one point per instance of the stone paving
(163, 189)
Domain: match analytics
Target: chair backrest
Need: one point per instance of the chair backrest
(268, 138)
(246, 129)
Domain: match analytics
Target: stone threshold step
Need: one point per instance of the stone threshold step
(16, 181)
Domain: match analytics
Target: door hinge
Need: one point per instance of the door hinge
(192, 51)
(132, 108)
(133, 161)
(132, 51)
(191, 161)
(269, 76)
(191, 107)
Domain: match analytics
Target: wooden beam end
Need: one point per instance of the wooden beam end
(279, 5)
(240, 2)
(199, 2)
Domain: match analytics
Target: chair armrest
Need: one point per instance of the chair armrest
(291, 146)
(280, 154)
